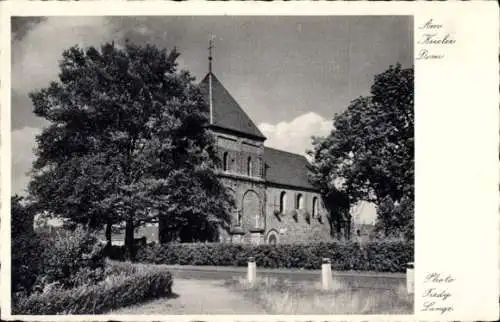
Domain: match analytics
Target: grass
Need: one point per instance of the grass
(281, 296)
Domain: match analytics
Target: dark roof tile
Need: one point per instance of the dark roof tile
(227, 113)
(286, 168)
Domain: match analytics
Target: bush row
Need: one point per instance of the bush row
(381, 256)
(117, 290)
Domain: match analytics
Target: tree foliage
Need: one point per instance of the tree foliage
(126, 130)
(26, 247)
(395, 219)
(370, 153)
(22, 217)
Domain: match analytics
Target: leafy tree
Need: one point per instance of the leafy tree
(370, 153)
(127, 130)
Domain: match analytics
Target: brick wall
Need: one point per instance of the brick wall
(249, 198)
(254, 199)
(240, 151)
(291, 230)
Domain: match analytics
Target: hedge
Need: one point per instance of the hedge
(381, 256)
(116, 291)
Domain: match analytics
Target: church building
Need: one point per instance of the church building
(275, 202)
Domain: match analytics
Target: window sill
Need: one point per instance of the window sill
(256, 230)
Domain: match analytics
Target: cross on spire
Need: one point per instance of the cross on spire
(210, 48)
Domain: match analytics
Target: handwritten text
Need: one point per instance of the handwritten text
(432, 40)
(436, 293)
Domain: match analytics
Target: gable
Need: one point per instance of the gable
(227, 113)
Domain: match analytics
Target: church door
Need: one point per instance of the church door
(251, 210)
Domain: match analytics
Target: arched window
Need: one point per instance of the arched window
(299, 202)
(272, 240)
(272, 237)
(238, 217)
(282, 202)
(315, 207)
(249, 167)
(225, 160)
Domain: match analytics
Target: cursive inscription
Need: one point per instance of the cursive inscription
(430, 24)
(425, 54)
(436, 293)
(433, 40)
(438, 278)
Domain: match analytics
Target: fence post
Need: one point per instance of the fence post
(326, 274)
(252, 270)
(410, 278)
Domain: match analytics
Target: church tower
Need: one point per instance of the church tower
(240, 146)
(274, 200)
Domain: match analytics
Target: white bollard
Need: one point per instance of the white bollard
(326, 274)
(410, 278)
(252, 270)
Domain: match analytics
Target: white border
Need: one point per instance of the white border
(457, 126)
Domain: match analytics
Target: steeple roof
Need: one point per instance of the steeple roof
(226, 112)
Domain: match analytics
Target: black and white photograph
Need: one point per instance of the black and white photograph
(212, 165)
(249, 162)
(246, 162)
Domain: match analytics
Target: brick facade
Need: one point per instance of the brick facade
(257, 217)
(274, 200)
(257, 176)
(293, 225)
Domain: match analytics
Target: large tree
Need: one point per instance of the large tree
(369, 155)
(127, 142)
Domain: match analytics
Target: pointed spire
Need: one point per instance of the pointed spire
(210, 47)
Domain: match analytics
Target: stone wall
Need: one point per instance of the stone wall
(240, 152)
(248, 214)
(247, 187)
(289, 229)
(254, 219)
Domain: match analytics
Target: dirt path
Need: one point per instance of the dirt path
(196, 297)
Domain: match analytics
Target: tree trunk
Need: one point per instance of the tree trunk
(129, 239)
(162, 230)
(348, 228)
(108, 233)
(338, 227)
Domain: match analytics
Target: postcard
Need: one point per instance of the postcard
(248, 161)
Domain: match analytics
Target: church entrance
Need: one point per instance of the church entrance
(272, 237)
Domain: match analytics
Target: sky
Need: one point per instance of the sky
(290, 74)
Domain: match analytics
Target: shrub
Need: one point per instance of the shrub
(382, 256)
(130, 286)
(26, 262)
(26, 248)
(72, 258)
(117, 268)
(115, 252)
